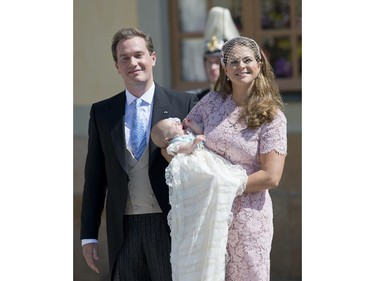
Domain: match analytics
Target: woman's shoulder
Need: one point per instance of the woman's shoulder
(279, 114)
(212, 97)
(278, 121)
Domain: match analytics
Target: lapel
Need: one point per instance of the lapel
(160, 111)
(116, 116)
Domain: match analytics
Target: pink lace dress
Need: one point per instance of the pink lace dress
(251, 231)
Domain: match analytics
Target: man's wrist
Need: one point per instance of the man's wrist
(87, 241)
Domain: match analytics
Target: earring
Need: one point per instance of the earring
(227, 77)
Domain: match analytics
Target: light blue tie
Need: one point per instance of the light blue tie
(138, 131)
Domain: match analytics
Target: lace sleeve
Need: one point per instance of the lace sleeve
(196, 113)
(274, 135)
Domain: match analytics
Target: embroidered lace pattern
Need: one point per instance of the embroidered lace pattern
(251, 231)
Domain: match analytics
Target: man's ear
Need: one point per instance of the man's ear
(153, 57)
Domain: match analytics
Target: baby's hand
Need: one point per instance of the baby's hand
(199, 138)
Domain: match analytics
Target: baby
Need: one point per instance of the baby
(176, 136)
(202, 187)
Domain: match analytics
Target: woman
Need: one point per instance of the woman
(242, 121)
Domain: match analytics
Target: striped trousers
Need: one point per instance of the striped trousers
(145, 253)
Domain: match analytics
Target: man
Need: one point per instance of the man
(219, 29)
(132, 186)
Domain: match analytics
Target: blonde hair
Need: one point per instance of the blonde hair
(159, 133)
(264, 100)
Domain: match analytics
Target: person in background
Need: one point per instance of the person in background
(242, 121)
(125, 171)
(219, 28)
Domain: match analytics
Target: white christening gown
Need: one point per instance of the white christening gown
(202, 187)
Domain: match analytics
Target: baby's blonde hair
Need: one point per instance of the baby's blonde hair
(159, 133)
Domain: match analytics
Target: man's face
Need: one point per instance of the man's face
(212, 66)
(134, 62)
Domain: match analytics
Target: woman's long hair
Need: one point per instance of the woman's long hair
(264, 100)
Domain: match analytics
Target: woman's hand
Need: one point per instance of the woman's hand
(193, 126)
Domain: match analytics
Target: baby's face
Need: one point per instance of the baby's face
(174, 128)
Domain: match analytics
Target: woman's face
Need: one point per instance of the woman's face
(242, 67)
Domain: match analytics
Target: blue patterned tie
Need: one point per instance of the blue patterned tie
(138, 131)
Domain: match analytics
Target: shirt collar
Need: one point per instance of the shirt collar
(147, 96)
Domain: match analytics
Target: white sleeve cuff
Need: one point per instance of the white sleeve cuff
(87, 241)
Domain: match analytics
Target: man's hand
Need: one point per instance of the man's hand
(91, 255)
(166, 155)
